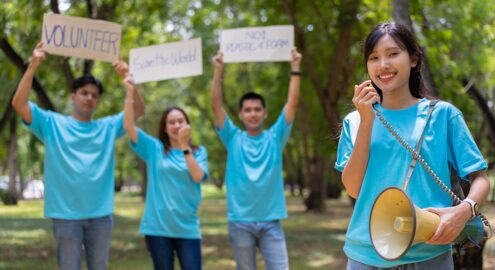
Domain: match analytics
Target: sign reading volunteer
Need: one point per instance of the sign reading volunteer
(257, 44)
(166, 61)
(81, 37)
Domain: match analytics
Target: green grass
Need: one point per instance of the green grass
(314, 240)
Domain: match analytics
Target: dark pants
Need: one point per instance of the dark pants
(162, 252)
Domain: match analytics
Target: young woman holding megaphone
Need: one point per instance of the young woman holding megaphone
(393, 120)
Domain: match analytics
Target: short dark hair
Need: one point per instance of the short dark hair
(405, 40)
(86, 79)
(251, 96)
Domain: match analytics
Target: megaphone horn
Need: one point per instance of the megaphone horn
(396, 223)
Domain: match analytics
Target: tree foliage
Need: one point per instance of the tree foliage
(458, 38)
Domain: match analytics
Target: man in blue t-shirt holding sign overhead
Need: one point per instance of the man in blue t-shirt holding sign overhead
(78, 167)
(255, 189)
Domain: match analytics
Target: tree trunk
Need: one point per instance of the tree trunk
(336, 84)
(402, 15)
(11, 196)
(482, 103)
(300, 181)
(9, 110)
(315, 200)
(317, 184)
(119, 180)
(144, 177)
(54, 6)
(334, 186)
(488, 116)
(298, 171)
(19, 63)
(290, 172)
(22, 182)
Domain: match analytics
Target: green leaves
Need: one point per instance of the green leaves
(458, 36)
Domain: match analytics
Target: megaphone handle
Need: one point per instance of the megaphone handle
(418, 146)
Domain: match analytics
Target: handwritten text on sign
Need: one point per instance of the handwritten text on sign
(80, 37)
(257, 44)
(166, 61)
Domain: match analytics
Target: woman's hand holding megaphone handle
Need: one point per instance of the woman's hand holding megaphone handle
(452, 221)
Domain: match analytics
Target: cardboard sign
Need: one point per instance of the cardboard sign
(257, 44)
(81, 37)
(166, 61)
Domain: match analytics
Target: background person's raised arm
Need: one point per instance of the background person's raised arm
(123, 70)
(216, 92)
(20, 102)
(129, 117)
(294, 85)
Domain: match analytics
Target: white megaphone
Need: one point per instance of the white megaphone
(396, 223)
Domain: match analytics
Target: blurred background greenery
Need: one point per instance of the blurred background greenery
(458, 39)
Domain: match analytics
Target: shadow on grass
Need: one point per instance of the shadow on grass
(26, 243)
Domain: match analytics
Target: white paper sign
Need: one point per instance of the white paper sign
(257, 44)
(81, 37)
(166, 61)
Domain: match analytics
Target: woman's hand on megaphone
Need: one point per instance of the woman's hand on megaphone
(452, 221)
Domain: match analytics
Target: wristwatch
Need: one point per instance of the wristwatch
(474, 206)
(187, 151)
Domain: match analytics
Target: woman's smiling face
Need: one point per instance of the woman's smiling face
(389, 65)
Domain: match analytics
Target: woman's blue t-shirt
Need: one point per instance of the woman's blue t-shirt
(447, 140)
(172, 196)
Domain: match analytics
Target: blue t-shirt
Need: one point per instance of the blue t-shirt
(79, 163)
(255, 188)
(172, 196)
(447, 140)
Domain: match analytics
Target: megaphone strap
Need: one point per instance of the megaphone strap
(418, 145)
(417, 157)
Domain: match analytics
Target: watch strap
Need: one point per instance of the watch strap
(473, 205)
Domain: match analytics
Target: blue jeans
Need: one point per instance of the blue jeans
(442, 262)
(162, 252)
(94, 234)
(267, 236)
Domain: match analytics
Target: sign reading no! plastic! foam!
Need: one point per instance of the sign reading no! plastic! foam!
(257, 44)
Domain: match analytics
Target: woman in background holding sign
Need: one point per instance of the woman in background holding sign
(175, 169)
(371, 159)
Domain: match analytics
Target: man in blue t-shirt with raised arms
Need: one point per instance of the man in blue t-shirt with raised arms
(255, 188)
(79, 166)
